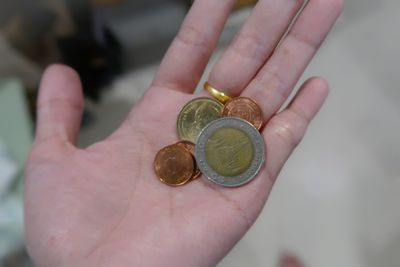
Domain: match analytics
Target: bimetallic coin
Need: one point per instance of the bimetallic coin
(174, 165)
(220, 96)
(230, 151)
(189, 146)
(245, 108)
(195, 115)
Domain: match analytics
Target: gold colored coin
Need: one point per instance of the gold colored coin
(189, 146)
(220, 96)
(174, 165)
(229, 151)
(244, 108)
(195, 115)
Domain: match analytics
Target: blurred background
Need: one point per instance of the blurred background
(337, 201)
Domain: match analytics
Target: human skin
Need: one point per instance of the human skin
(104, 206)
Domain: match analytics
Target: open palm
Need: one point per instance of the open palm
(104, 206)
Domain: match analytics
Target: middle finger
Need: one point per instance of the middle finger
(253, 44)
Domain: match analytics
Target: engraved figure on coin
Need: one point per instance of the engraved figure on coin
(229, 152)
(244, 108)
(244, 112)
(202, 116)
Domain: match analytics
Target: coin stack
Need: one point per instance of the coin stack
(219, 138)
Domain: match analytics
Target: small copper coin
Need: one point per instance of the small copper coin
(244, 108)
(174, 165)
(189, 146)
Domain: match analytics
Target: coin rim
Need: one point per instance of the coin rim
(163, 180)
(178, 124)
(196, 173)
(257, 142)
(225, 111)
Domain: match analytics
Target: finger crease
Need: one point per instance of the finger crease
(273, 81)
(190, 36)
(285, 132)
(300, 114)
(249, 46)
(302, 40)
(57, 102)
(232, 202)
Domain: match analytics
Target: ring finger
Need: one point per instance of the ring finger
(252, 45)
(275, 81)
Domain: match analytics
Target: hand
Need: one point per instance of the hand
(104, 206)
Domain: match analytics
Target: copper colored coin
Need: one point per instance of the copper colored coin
(174, 165)
(197, 174)
(189, 146)
(244, 108)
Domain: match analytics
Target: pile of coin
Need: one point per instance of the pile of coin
(219, 138)
(176, 165)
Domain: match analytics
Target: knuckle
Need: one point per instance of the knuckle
(304, 41)
(59, 103)
(192, 37)
(272, 82)
(249, 46)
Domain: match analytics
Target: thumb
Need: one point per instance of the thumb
(59, 106)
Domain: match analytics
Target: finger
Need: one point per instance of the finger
(253, 45)
(290, 261)
(284, 131)
(60, 105)
(184, 63)
(276, 79)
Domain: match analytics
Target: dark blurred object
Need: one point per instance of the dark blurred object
(239, 3)
(20, 259)
(29, 28)
(14, 64)
(97, 63)
(99, 38)
(144, 28)
(96, 57)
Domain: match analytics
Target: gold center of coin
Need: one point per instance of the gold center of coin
(229, 152)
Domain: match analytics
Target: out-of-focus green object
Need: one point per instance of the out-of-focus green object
(15, 123)
(16, 138)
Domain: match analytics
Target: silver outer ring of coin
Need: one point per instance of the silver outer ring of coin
(258, 146)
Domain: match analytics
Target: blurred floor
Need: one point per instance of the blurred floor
(335, 203)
